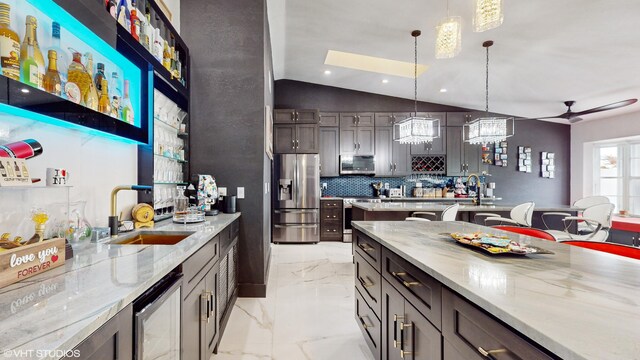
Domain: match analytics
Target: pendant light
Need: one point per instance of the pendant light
(448, 36)
(415, 129)
(488, 129)
(488, 15)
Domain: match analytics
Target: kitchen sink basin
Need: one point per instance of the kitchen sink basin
(150, 237)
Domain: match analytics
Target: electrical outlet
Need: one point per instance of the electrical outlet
(240, 192)
(324, 186)
(222, 191)
(386, 186)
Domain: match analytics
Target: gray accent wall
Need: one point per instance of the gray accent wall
(229, 48)
(513, 186)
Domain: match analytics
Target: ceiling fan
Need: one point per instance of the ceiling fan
(574, 117)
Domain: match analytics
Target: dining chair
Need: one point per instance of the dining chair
(579, 204)
(520, 215)
(617, 249)
(448, 214)
(540, 234)
(599, 217)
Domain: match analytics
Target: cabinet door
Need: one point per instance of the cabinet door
(113, 340)
(211, 326)
(307, 116)
(348, 120)
(457, 118)
(392, 315)
(439, 144)
(401, 157)
(307, 141)
(284, 137)
(348, 140)
(366, 140)
(329, 150)
(472, 158)
(455, 156)
(194, 318)
(284, 116)
(383, 119)
(329, 119)
(420, 339)
(383, 147)
(366, 119)
(622, 237)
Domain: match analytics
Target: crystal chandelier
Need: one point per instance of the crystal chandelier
(448, 36)
(488, 129)
(488, 15)
(416, 129)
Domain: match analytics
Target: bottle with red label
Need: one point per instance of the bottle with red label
(25, 149)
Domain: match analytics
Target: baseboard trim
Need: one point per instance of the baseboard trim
(252, 290)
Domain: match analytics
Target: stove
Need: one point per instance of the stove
(347, 213)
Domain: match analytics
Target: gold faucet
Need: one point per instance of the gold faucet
(114, 221)
(478, 188)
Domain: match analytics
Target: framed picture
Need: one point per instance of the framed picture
(496, 157)
(498, 162)
(268, 131)
(551, 156)
(545, 161)
(528, 168)
(498, 150)
(527, 150)
(503, 156)
(543, 155)
(503, 144)
(504, 163)
(165, 9)
(552, 174)
(528, 155)
(520, 149)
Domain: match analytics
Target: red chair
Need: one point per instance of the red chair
(540, 234)
(617, 249)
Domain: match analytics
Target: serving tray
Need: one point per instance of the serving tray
(497, 244)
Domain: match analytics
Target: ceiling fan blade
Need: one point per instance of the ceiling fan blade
(575, 120)
(612, 106)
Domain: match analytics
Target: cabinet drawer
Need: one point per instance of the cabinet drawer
(420, 289)
(369, 325)
(368, 248)
(235, 229)
(329, 119)
(331, 214)
(194, 268)
(331, 204)
(225, 238)
(476, 335)
(368, 282)
(331, 230)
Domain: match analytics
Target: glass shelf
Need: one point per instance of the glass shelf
(166, 124)
(170, 183)
(171, 158)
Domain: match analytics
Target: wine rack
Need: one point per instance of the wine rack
(429, 164)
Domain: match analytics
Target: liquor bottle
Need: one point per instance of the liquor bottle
(51, 80)
(17, 169)
(92, 98)
(9, 45)
(25, 149)
(3, 171)
(32, 65)
(104, 105)
(157, 45)
(144, 34)
(10, 171)
(78, 75)
(178, 66)
(98, 79)
(112, 8)
(62, 54)
(116, 95)
(166, 56)
(124, 15)
(25, 172)
(172, 66)
(127, 109)
(135, 22)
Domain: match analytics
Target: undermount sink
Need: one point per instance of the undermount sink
(151, 237)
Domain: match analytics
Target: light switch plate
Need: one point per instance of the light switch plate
(386, 186)
(222, 191)
(324, 186)
(240, 192)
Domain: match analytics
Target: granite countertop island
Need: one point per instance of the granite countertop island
(58, 309)
(577, 303)
(426, 206)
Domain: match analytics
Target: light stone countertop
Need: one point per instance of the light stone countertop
(426, 206)
(577, 303)
(59, 308)
(440, 199)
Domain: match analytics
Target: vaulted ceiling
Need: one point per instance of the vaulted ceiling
(546, 51)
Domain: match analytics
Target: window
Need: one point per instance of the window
(617, 174)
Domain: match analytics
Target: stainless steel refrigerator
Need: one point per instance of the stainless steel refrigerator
(296, 203)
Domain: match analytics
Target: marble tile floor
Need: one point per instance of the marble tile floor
(308, 313)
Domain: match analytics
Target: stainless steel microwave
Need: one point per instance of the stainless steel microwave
(357, 164)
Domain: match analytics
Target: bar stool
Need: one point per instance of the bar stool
(520, 215)
(580, 204)
(599, 217)
(448, 214)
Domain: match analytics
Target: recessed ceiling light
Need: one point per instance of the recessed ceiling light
(443, 90)
(373, 64)
(25, 91)
(327, 72)
(385, 81)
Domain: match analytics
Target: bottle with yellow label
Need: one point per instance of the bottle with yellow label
(9, 45)
(51, 81)
(78, 75)
(104, 105)
(32, 62)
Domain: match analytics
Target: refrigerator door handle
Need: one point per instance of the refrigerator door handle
(303, 211)
(295, 226)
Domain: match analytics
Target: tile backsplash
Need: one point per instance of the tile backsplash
(361, 185)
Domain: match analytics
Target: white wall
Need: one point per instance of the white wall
(174, 7)
(95, 164)
(583, 135)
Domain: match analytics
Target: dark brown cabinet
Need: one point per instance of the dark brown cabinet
(331, 220)
(392, 157)
(329, 119)
(329, 151)
(293, 116)
(357, 134)
(462, 158)
(113, 340)
(296, 139)
(357, 119)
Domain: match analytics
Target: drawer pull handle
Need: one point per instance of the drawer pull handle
(366, 282)
(204, 307)
(366, 247)
(365, 323)
(489, 353)
(402, 351)
(395, 329)
(407, 284)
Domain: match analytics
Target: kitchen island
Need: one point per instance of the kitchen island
(573, 304)
(52, 313)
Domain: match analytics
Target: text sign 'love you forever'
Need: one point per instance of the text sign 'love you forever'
(30, 260)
